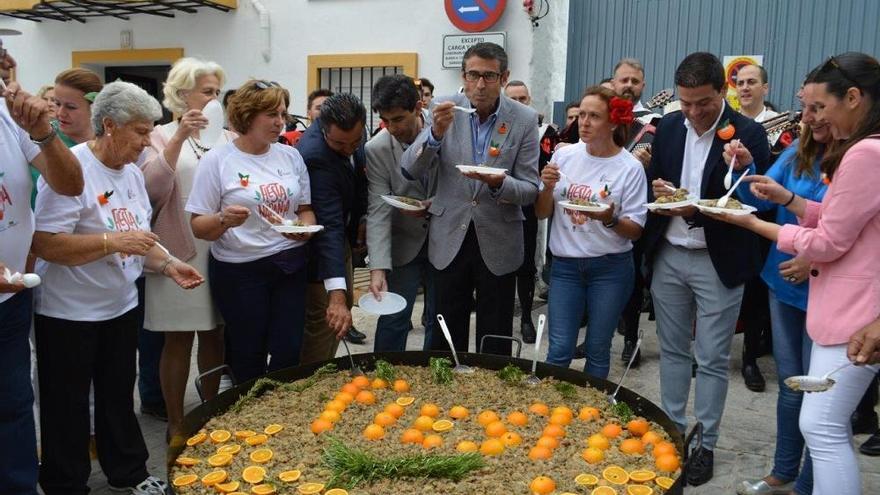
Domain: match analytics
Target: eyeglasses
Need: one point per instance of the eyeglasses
(832, 64)
(260, 84)
(475, 75)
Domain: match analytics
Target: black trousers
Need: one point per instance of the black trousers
(633, 309)
(455, 287)
(71, 355)
(525, 276)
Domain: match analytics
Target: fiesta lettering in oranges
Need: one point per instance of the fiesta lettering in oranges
(668, 463)
(186, 461)
(612, 430)
(548, 442)
(321, 425)
(651, 437)
(345, 397)
(310, 488)
(588, 414)
(404, 401)
(230, 449)
(586, 479)
(214, 477)
(365, 397)
(603, 490)
(351, 389)
(642, 475)
(538, 452)
(336, 405)
(467, 446)
(486, 417)
(517, 418)
(385, 419)
(185, 480)
(593, 455)
(272, 429)
(330, 415)
(664, 482)
(361, 382)
(219, 460)
(491, 446)
(663, 448)
(374, 432)
(458, 412)
(412, 435)
(511, 439)
(253, 474)
(432, 441)
(395, 410)
(288, 476)
(632, 446)
(638, 427)
(430, 410)
(639, 490)
(423, 423)
(562, 410)
(552, 430)
(616, 475)
(560, 419)
(228, 487)
(196, 439)
(599, 441)
(261, 456)
(442, 425)
(400, 386)
(220, 436)
(264, 489)
(540, 409)
(242, 434)
(495, 429)
(378, 383)
(542, 485)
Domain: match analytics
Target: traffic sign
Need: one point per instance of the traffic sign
(454, 46)
(474, 16)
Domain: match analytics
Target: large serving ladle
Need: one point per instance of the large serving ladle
(459, 368)
(807, 383)
(355, 370)
(613, 397)
(533, 378)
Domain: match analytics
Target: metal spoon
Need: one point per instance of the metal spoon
(463, 109)
(807, 383)
(355, 371)
(729, 177)
(533, 378)
(722, 201)
(612, 398)
(459, 368)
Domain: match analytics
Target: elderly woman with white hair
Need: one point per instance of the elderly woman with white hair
(92, 249)
(169, 168)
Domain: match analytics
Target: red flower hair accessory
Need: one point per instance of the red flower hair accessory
(621, 111)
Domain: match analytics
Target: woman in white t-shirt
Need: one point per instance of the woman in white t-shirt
(92, 249)
(258, 275)
(592, 258)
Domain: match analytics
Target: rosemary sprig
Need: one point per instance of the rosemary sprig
(623, 411)
(352, 466)
(511, 375)
(441, 370)
(264, 385)
(385, 370)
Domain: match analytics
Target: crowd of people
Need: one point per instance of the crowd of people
(139, 229)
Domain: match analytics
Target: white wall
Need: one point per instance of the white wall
(298, 28)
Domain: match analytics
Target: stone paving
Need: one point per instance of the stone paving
(744, 450)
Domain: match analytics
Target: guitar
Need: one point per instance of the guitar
(784, 123)
(660, 99)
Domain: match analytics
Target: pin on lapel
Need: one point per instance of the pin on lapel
(493, 149)
(503, 128)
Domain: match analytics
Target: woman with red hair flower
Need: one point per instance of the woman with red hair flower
(592, 250)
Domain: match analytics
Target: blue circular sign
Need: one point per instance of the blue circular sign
(474, 15)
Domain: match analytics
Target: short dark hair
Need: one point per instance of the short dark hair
(397, 91)
(572, 104)
(318, 93)
(488, 51)
(699, 69)
(344, 111)
(227, 96)
(425, 83)
(516, 83)
(762, 72)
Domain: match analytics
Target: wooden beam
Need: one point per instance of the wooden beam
(158, 55)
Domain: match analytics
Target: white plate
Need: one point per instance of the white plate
(669, 206)
(572, 206)
(393, 201)
(481, 169)
(747, 209)
(390, 304)
(213, 111)
(297, 229)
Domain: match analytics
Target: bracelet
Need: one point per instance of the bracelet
(789, 200)
(168, 261)
(105, 244)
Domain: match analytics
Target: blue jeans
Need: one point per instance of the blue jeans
(604, 283)
(791, 350)
(18, 436)
(392, 330)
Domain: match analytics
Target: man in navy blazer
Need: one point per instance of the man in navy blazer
(699, 265)
(332, 148)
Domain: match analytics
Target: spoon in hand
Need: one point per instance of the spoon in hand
(463, 109)
(729, 177)
(722, 202)
(806, 383)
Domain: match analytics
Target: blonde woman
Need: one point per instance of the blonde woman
(169, 168)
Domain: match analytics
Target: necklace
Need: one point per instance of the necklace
(198, 148)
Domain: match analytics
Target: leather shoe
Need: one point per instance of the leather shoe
(872, 445)
(580, 352)
(357, 333)
(528, 332)
(628, 347)
(702, 467)
(355, 337)
(753, 377)
(761, 487)
(864, 423)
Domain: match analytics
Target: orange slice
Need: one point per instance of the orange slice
(230, 449)
(185, 480)
(639, 490)
(219, 460)
(642, 475)
(310, 488)
(256, 439)
(264, 489)
(228, 487)
(196, 439)
(405, 401)
(253, 474)
(585, 479)
(186, 461)
(288, 476)
(603, 490)
(664, 482)
(442, 425)
(261, 456)
(336, 491)
(214, 477)
(616, 475)
(242, 434)
(220, 436)
(273, 429)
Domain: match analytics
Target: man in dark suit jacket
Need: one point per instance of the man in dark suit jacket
(699, 264)
(332, 148)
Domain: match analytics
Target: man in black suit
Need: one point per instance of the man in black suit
(699, 265)
(332, 148)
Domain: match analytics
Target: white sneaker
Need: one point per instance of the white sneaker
(150, 486)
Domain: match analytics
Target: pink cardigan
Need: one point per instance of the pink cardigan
(841, 236)
(169, 220)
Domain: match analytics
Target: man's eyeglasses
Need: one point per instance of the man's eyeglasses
(475, 75)
(260, 84)
(833, 64)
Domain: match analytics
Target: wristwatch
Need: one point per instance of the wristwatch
(46, 140)
(613, 223)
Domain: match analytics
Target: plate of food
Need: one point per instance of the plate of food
(297, 227)
(681, 197)
(403, 202)
(480, 169)
(583, 205)
(733, 207)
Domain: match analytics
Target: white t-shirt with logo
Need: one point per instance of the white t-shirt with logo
(277, 179)
(16, 217)
(619, 179)
(112, 201)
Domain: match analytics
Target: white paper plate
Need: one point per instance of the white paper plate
(395, 202)
(390, 304)
(572, 206)
(747, 209)
(481, 169)
(669, 206)
(297, 229)
(213, 111)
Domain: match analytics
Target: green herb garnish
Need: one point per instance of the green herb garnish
(441, 370)
(385, 370)
(623, 411)
(511, 374)
(264, 385)
(566, 390)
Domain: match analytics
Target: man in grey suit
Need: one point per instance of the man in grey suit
(397, 238)
(476, 236)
